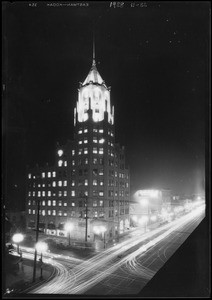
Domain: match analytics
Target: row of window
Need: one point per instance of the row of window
(61, 183)
(48, 194)
(49, 203)
(49, 212)
(43, 175)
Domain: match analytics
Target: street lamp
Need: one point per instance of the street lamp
(68, 228)
(41, 247)
(18, 238)
(100, 229)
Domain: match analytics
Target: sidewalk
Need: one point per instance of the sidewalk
(20, 277)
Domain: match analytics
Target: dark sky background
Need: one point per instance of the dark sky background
(155, 58)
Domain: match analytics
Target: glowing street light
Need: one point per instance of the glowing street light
(68, 228)
(100, 229)
(41, 247)
(17, 238)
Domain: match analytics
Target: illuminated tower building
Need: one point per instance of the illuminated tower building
(89, 184)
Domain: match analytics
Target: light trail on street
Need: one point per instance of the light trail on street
(82, 277)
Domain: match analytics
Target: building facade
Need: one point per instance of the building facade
(89, 185)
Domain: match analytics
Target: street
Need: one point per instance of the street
(122, 269)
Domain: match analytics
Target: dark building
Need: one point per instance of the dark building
(89, 185)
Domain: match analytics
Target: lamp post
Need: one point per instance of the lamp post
(68, 228)
(99, 230)
(41, 247)
(17, 238)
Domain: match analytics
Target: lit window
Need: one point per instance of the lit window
(65, 203)
(29, 202)
(73, 182)
(49, 174)
(112, 154)
(86, 193)
(29, 194)
(95, 214)
(95, 150)
(101, 141)
(112, 144)
(95, 130)
(101, 183)
(86, 161)
(60, 203)
(60, 193)
(80, 151)
(65, 193)
(43, 175)
(101, 193)
(65, 163)
(49, 193)
(111, 133)
(59, 183)
(95, 161)
(39, 193)
(72, 193)
(101, 203)
(101, 130)
(94, 202)
(29, 211)
(34, 177)
(73, 162)
(33, 194)
(54, 202)
(38, 185)
(85, 130)
(54, 183)
(119, 175)
(86, 151)
(72, 203)
(33, 212)
(85, 141)
(54, 212)
(60, 163)
(116, 174)
(29, 176)
(43, 203)
(43, 212)
(60, 152)
(49, 202)
(95, 140)
(101, 151)
(43, 185)
(73, 152)
(65, 183)
(86, 181)
(101, 172)
(54, 174)
(95, 182)
(80, 142)
(65, 214)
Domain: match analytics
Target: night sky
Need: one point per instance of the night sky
(155, 58)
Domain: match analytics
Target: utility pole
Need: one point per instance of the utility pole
(86, 217)
(37, 232)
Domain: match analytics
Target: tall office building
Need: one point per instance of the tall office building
(89, 185)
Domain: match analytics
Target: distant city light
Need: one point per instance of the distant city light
(135, 218)
(147, 193)
(153, 218)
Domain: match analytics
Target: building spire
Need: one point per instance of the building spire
(94, 62)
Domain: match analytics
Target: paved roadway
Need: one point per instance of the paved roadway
(123, 269)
